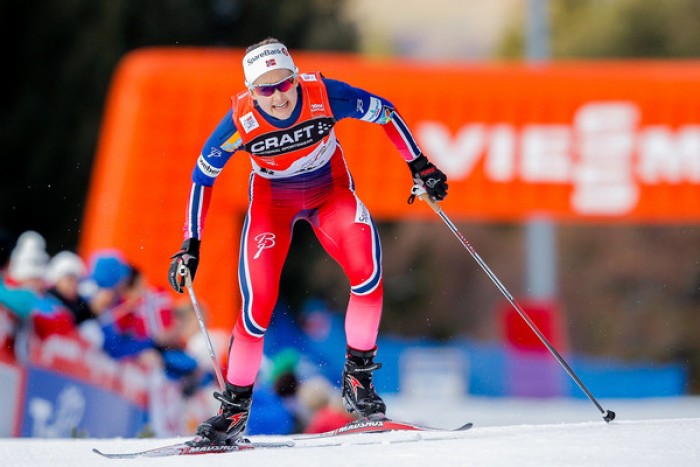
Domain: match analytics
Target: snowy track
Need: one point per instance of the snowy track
(631, 441)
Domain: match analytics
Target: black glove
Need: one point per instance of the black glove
(432, 178)
(187, 256)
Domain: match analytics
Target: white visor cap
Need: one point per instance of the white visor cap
(268, 57)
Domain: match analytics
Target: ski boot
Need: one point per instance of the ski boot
(228, 425)
(359, 396)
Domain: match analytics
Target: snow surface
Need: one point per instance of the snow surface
(507, 432)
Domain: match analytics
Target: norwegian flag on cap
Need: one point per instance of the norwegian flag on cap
(270, 62)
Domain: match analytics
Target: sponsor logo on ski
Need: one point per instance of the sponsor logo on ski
(195, 449)
(360, 425)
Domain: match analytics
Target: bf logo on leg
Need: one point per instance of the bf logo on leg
(265, 240)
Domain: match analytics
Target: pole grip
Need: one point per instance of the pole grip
(419, 191)
(185, 272)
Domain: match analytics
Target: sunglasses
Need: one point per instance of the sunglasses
(267, 90)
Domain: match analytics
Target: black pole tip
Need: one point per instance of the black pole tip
(609, 416)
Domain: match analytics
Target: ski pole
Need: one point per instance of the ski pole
(200, 318)
(419, 191)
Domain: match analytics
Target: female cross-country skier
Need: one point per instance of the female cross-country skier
(284, 121)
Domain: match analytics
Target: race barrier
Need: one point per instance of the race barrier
(67, 388)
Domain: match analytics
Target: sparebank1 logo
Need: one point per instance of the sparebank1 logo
(604, 153)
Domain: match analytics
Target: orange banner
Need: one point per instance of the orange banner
(593, 141)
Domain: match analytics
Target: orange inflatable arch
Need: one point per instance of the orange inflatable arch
(606, 141)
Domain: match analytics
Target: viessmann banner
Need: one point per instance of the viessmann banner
(606, 161)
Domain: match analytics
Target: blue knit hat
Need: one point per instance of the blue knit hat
(108, 269)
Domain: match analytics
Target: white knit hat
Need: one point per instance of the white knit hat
(268, 57)
(29, 258)
(64, 264)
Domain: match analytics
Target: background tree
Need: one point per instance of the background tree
(614, 29)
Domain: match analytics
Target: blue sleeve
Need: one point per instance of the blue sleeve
(351, 102)
(217, 150)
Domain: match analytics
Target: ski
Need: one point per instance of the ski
(184, 449)
(339, 437)
(380, 425)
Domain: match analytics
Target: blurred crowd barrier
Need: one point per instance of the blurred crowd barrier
(90, 346)
(91, 349)
(67, 388)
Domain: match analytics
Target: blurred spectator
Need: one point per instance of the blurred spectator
(284, 379)
(285, 386)
(25, 274)
(140, 322)
(62, 277)
(323, 405)
(193, 341)
(107, 279)
(23, 291)
(131, 324)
